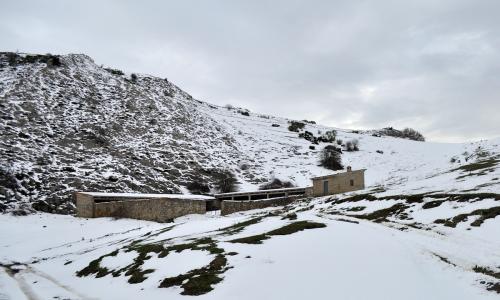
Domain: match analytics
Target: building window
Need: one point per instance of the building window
(352, 182)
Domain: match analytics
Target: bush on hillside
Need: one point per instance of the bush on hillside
(276, 184)
(225, 181)
(198, 186)
(309, 136)
(352, 145)
(133, 78)
(296, 126)
(114, 71)
(329, 136)
(407, 133)
(330, 158)
(412, 134)
(49, 59)
(244, 112)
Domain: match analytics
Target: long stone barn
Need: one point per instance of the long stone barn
(150, 207)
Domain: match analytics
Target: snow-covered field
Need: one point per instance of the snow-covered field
(348, 259)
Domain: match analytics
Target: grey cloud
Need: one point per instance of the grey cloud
(431, 65)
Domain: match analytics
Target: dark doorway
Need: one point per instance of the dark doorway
(325, 187)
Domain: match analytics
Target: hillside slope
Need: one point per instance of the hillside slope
(68, 124)
(426, 226)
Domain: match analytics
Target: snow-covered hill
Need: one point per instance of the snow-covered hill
(426, 226)
(68, 124)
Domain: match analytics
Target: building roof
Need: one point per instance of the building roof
(142, 196)
(292, 189)
(336, 174)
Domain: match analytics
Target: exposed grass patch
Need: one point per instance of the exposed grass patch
(94, 267)
(254, 239)
(490, 286)
(484, 214)
(479, 165)
(134, 270)
(356, 208)
(382, 214)
(296, 227)
(444, 259)
(419, 198)
(199, 281)
(285, 230)
(291, 216)
(432, 204)
(494, 287)
(347, 221)
(238, 227)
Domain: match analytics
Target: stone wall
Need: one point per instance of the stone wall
(157, 209)
(84, 205)
(340, 183)
(232, 206)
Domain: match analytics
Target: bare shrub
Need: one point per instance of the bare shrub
(330, 158)
(329, 136)
(296, 126)
(352, 145)
(276, 184)
(225, 181)
(133, 78)
(198, 186)
(412, 134)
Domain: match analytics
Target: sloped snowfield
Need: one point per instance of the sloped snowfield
(345, 248)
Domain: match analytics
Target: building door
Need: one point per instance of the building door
(325, 187)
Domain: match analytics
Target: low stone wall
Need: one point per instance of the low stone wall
(157, 209)
(232, 206)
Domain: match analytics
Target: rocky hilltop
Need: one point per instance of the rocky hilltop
(68, 124)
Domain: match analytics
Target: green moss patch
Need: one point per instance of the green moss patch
(238, 227)
(484, 214)
(479, 165)
(199, 281)
(285, 230)
(296, 227)
(432, 204)
(356, 208)
(94, 267)
(134, 270)
(382, 214)
(254, 239)
(419, 198)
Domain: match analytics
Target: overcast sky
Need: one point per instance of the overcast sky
(431, 65)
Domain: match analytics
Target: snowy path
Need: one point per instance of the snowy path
(342, 261)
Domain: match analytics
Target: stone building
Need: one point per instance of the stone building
(151, 207)
(339, 182)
